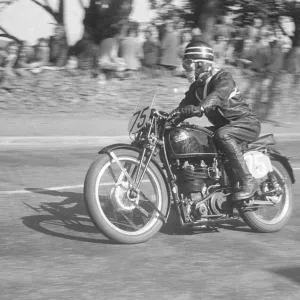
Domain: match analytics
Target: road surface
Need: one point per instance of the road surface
(50, 249)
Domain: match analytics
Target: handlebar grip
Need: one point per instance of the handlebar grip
(173, 115)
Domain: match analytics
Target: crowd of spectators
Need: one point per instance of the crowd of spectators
(19, 58)
(150, 50)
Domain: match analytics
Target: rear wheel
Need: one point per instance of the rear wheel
(273, 218)
(116, 209)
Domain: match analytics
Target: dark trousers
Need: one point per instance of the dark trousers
(227, 140)
(243, 130)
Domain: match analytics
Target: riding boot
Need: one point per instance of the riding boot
(249, 184)
(238, 164)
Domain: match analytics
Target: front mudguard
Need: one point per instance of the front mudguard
(113, 147)
(276, 155)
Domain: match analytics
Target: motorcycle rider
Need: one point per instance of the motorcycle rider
(214, 93)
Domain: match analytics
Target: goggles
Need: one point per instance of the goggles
(189, 64)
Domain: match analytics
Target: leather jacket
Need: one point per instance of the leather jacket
(218, 94)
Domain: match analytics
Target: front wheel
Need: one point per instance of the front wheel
(273, 218)
(120, 213)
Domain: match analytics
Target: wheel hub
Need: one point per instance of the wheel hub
(123, 197)
(277, 198)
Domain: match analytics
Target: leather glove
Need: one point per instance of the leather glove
(190, 111)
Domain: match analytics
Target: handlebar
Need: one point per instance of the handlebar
(174, 115)
(160, 114)
(167, 116)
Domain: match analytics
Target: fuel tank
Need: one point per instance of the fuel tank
(189, 141)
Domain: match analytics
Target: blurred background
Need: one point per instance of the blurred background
(89, 56)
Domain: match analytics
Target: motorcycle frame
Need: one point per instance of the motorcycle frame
(173, 189)
(168, 175)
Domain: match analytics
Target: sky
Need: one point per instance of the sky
(28, 21)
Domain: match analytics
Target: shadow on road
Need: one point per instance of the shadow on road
(292, 273)
(172, 226)
(66, 216)
(236, 225)
(68, 219)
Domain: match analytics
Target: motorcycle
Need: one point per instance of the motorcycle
(130, 188)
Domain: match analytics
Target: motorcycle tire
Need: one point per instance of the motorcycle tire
(96, 213)
(256, 223)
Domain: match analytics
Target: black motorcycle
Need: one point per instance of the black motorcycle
(130, 188)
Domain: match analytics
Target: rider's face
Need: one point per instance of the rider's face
(200, 67)
(195, 68)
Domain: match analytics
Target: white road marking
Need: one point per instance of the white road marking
(65, 187)
(56, 188)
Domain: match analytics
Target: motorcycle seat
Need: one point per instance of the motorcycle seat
(265, 140)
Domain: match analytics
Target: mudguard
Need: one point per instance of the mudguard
(113, 147)
(276, 155)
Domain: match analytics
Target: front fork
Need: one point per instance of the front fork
(135, 183)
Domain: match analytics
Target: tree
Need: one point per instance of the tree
(100, 16)
(272, 13)
(205, 14)
(98, 21)
(3, 32)
(200, 13)
(57, 15)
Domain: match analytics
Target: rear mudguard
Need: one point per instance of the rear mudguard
(113, 147)
(276, 155)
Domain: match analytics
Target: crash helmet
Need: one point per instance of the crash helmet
(198, 50)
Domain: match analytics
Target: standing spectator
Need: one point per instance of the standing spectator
(257, 83)
(273, 69)
(23, 61)
(108, 60)
(9, 63)
(246, 57)
(169, 48)
(42, 56)
(59, 47)
(262, 54)
(131, 50)
(150, 48)
(3, 55)
(196, 33)
(86, 52)
(230, 52)
(185, 39)
(219, 50)
(10, 57)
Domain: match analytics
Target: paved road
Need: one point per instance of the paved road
(50, 250)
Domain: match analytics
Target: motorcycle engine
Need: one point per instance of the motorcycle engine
(195, 179)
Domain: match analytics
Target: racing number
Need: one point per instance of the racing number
(140, 119)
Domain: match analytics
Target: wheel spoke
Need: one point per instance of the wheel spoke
(113, 174)
(125, 212)
(125, 224)
(142, 210)
(273, 213)
(130, 222)
(153, 206)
